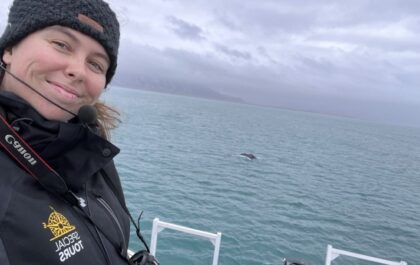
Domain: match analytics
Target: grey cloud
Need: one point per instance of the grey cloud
(385, 43)
(264, 53)
(184, 29)
(179, 71)
(262, 21)
(233, 52)
(276, 19)
(366, 12)
(346, 84)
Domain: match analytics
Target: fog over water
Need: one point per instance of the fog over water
(353, 58)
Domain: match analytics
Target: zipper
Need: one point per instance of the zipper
(100, 243)
(114, 217)
(98, 240)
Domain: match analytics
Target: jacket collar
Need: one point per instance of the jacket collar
(71, 148)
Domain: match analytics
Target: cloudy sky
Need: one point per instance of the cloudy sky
(358, 58)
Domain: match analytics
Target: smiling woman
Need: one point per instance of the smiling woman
(63, 64)
(58, 176)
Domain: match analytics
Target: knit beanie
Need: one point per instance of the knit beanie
(90, 17)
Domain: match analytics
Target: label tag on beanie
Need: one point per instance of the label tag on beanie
(90, 22)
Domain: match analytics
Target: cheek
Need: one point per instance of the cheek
(46, 61)
(37, 60)
(96, 87)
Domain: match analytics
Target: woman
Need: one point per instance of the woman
(60, 196)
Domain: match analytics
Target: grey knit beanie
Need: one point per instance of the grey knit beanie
(91, 17)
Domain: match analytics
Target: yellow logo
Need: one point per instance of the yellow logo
(58, 224)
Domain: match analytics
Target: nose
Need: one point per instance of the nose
(75, 69)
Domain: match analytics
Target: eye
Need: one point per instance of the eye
(97, 67)
(61, 45)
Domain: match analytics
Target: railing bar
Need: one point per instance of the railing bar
(364, 257)
(188, 230)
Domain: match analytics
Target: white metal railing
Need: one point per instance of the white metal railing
(159, 226)
(333, 253)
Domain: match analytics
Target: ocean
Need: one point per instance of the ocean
(317, 180)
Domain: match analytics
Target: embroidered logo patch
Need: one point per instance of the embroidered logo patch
(58, 224)
(65, 236)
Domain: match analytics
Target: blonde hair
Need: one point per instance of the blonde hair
(108, 119)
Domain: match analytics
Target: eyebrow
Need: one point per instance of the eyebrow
(69, 34)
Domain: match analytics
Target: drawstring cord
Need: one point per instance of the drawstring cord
(138, 233)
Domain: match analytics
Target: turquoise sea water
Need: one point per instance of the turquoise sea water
(318, 180)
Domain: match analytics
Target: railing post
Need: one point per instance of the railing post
(217, 248)
(153, 241)
(328, 257)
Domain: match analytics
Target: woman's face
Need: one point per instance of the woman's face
(64, 65)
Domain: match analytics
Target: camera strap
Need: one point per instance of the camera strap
(32, 163)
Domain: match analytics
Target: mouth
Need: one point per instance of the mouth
(65, 91)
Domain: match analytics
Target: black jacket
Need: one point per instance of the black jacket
(39, 227)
